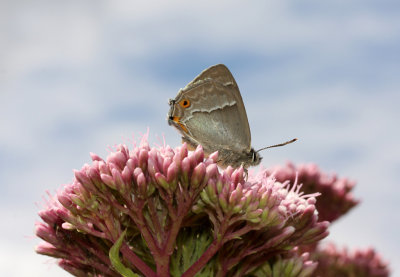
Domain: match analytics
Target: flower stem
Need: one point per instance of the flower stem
(203, 260)
(136, 261)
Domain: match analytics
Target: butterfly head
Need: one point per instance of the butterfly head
(255, 158)
(170, 115)
(176, 112)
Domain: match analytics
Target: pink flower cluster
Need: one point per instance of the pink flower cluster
(336, 198)
(171, 212)
(334, 262)
(153, 205)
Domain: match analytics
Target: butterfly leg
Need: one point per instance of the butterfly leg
(246, 171)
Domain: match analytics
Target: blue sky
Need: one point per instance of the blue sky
(78, 76)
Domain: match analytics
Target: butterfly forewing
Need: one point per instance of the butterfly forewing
(218, 73)
(218, 127)
(216, 117)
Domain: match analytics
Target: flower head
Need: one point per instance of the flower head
(144, 209)
(341, 262)
(336, 198)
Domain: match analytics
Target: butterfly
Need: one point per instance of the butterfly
(209, 111)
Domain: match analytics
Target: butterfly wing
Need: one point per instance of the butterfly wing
(218, 73)
(210, 111)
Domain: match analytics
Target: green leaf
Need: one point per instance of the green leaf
(116, 261)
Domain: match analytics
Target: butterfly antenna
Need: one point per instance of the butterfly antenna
(277, 145)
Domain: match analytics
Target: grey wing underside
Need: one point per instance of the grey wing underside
(218, 73)
(217, 118)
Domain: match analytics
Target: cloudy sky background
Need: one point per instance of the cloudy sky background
(79, 76)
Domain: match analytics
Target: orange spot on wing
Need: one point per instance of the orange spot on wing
(185, 103)
(176, 119)
(183, 127)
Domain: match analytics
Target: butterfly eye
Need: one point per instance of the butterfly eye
(184, 103)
